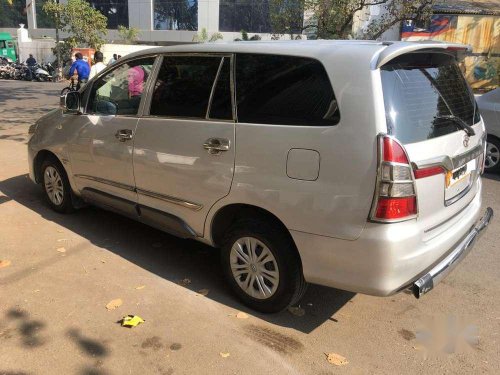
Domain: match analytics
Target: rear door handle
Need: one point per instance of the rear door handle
(124, 135)
(216, 145)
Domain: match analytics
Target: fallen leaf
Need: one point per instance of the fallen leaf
(224, 354)
(336, 359)
(114, 304)
(203, 292)
(4, 263)
(297, 311)
(140, 287)
(61, 249)
(242, 315)
(184, 282)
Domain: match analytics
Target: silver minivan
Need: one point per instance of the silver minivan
(350, 164)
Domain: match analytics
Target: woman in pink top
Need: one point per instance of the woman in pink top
(135, 81)
(136, 78)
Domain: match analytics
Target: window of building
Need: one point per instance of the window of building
(120, 91)
(284, 90)
(261, 16)
(184, 85)
(115, 10)
(12, 14)
(175, 14)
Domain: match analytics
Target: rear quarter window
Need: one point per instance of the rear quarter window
(284, 90)
(421, 92)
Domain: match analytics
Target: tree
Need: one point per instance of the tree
(333, 19)
(85, 25)
(287, 17)
(12, 13)
(128, 34)
(397, 11)
(203, 37)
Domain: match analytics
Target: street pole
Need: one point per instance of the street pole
(58, 49)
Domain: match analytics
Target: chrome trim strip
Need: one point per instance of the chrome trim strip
(214, 85)
(450, 163)
(152, 194)
(460, 195)
(428, 281)
(107, 182)
(170, 199)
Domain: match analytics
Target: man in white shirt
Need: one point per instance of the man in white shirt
(98, 66)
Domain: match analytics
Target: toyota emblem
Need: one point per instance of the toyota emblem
(466, 141)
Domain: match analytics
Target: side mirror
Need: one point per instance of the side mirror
(71, 101)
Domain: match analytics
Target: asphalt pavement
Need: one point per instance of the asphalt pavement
(58, 273)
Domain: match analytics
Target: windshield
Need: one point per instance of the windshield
(422, 94)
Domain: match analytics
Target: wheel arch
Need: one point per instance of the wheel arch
(227, 215)
(38, 161)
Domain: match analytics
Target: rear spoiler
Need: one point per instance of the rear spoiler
(394, 50)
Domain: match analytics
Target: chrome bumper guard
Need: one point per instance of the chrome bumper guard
(427, 282)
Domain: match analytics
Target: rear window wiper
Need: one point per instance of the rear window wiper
(467, 128)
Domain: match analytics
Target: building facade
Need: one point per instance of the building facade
(159, 21)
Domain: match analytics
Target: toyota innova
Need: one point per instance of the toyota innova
(351, 164)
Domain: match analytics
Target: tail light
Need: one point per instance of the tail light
(395, 195)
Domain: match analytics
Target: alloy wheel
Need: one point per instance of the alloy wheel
(492, 155)
(53, 185)
(254, 268)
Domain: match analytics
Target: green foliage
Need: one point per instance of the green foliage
(128, 34)
(333, 19)
(245, 37)
(85, 25)
(12, 13)
(203, 37)
(286, 17)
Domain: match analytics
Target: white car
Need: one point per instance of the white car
(489, 106)
(349, 164)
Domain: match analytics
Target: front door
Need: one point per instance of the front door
(184, 146)
(101, 153)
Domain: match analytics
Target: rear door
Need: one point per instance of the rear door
(432, 111)
(184, 145)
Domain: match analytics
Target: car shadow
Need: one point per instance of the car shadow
(492, 176)
(169, 257)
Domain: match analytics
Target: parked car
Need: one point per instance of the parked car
(489, 106)
(350, 164)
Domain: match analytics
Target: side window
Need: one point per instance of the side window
(184, 87)
(222, 105)
(120, 91)
(284, 90)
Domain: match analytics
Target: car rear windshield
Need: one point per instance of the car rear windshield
(426, 96)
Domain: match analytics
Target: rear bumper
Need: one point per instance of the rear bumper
(388, 258)
(427, 282)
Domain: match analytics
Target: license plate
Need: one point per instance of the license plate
(460, 179)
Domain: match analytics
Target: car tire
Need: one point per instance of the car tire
(492, 162)
(56, 186)
(65, 90)
(269, 278)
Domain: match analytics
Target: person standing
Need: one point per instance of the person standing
(98, 66)
(82, 69)
(31, 61)
(113, 59)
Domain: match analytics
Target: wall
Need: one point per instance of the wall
(482, 68)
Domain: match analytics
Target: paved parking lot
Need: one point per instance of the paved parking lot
(64, 269)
